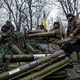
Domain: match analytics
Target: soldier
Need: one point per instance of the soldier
(57, 36)
(7, 29)
(72, 41)
(40, 27)
(56, 28)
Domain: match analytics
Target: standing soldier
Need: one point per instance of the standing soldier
(72, 41)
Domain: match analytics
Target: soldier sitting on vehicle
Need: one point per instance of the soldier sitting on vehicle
(41, 27)
(72, 41)
(7, 30)
(58, 34)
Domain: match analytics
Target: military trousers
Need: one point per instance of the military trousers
(69, 48)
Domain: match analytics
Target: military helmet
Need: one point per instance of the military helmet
(68, 15)
(57, 22)
(8, 22)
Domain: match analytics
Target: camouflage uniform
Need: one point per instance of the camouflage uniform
(57, 34)
(6, 29)
(74, 43)
(74, 27)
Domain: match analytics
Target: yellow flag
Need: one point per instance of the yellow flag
(44, 20)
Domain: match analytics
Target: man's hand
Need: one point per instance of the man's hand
(64, 40)
(3, 34)
(71, 35)
(59, 42)
(8, 31)
(39, 78)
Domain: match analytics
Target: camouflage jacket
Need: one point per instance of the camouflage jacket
(57, 33)
(5, 28)
(74, 28)
(56, 36)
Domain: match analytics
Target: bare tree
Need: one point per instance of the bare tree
(26, 12)
(1, 4)
(69, 6)
(14, 9)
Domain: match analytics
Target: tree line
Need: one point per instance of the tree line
(28, 13)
